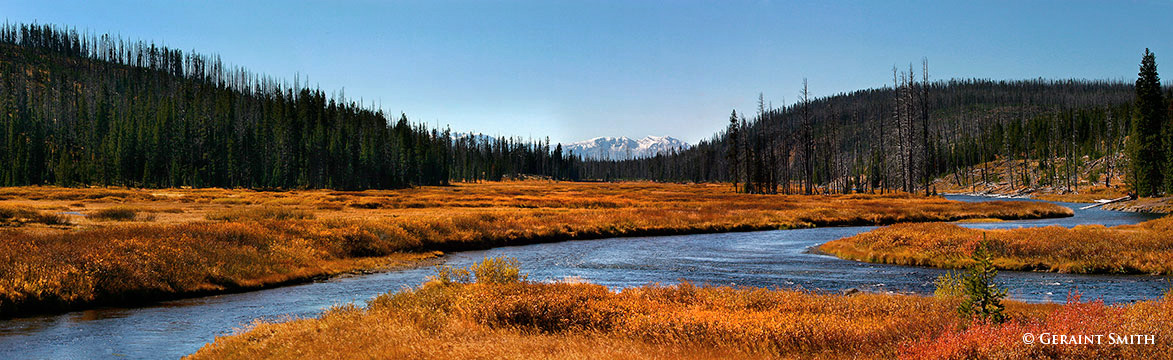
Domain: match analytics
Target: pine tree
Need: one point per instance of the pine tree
(983, 298)
(1146, 150)
(733, 153)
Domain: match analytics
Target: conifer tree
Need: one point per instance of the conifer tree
(982, 297)
(1146, 150)
(732, 153)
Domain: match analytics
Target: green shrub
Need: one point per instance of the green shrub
(1094, 175)
(949, 285)
(490, 270)
(446, 275)
(498, 270)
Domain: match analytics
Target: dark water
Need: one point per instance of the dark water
(775, 259)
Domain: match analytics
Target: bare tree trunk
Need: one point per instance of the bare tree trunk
(982, 157)
(808, 141)
(910, 129)
(1074, 161)
(1026, 153)
(898, 115)
(882, 156)
(1111, 150)
(924, 122)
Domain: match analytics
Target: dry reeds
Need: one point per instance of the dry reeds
(1145, 248)
(16, 216)
(114, 214)
(519, 319)
(261, 213)
(313, 232)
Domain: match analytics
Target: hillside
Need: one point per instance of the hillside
(99, 110)
(1084, 179)
(896, 138)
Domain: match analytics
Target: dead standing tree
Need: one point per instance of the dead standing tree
(924, 123)
(808, 142)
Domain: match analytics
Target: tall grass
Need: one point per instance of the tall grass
(261, 213)
(114, 214)
(17, 215)
(199, 244)
(568, 318)
(1145, 248)
(519, 319)
(116, 265)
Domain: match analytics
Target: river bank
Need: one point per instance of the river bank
(1161, 205)
(128, 246)
(1086, 249)
(766, 259)
(507, 317)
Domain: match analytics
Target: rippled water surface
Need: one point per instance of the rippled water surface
(776, 259)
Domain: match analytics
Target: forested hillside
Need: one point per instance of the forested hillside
(97, 110)
(902, 137)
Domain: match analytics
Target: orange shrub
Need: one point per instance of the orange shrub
(454, 320)
(1094, 326)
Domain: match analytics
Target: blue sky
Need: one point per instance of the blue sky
(576, 70)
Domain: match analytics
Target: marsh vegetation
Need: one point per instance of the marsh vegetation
(508, 317)
(138, 245)
(1145, 248)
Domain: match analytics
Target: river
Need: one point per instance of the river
(773, 259)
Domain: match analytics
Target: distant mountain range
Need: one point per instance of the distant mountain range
(619, 148)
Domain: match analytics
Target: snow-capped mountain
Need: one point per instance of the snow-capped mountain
(612, 148)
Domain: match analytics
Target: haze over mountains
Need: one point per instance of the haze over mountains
(619, 148)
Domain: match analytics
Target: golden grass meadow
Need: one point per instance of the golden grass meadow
(489, 311)
(1144, 248)
(66, 248)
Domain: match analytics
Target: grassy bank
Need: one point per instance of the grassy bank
(525, 320)
(1145, 248)
(133, 245)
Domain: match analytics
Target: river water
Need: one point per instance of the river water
(774, 259)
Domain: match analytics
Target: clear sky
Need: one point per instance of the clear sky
(576, 70)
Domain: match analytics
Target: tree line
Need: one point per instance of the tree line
(81, 109)
(903, 136)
